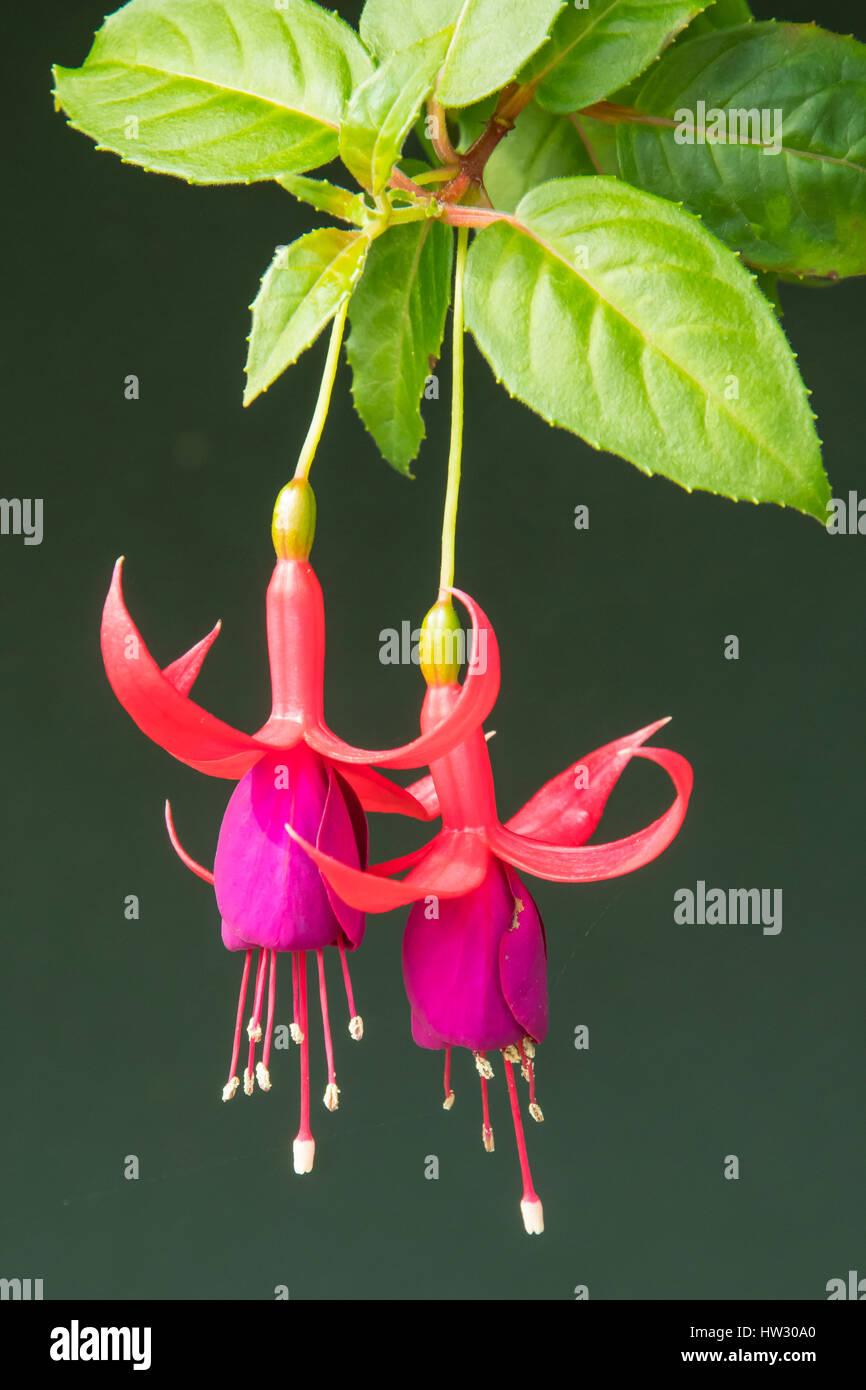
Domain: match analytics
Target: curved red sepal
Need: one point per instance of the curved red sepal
(376, 793)
(424, 791)
(565, 813)
(564, 864)
(154, 700)
(477, 698)
(181, 853)
(454, 863)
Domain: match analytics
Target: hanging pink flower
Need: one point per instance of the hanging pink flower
(474, 952)
(270, 894)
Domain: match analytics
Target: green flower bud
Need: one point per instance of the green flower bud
(294, 525)
(439, 647)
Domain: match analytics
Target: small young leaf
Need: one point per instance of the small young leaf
(383, 110)
(216, 91)
(541, 146)
(300, 293)
(326, 197)
(593, 51)
(619, 316)
(397, 315)
(761, 130)
(492, 39)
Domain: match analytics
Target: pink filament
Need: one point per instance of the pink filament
(242, 1001)
(447, 1078)
(530, 1071)
(485, 1109)
(272, 994)
(295, 990)
(256, 1019)
(353, 1012)
(323, 997)
(529, 1193)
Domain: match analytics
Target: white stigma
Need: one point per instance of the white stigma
(533, 1216)
(332, 1092)
(263, 1076)
(230, 1087)
(356, 1027)
(303, 1153)
(297, 1035)
(448, 1101)
(249, 1084)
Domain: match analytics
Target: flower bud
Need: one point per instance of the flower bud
(439, 647)
(294, 524)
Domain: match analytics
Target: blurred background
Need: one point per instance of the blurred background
(705, 1041)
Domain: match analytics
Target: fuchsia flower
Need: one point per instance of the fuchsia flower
(295, 770)
(474, 950)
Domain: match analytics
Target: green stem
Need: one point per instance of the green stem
(449, 520)
(320, 414)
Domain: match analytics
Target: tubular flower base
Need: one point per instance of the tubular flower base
(474, 952)
(293, 770)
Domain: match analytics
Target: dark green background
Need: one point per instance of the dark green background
(705, 1041)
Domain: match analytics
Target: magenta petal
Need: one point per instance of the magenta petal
(424, 1035)
(268, 890)
(451, 966)
(523, 961)
(339, 837)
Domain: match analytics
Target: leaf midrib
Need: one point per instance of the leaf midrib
(207, 82)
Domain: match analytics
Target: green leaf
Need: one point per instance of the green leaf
(301, 291)
(387, 26)
(492, 39)
(799, 207)
(397, 315)
(595, 50)
(326, 197)
(216, 91)
(383, 110)
(724, 14)
(541, 146)
(600, 140)
(618, 316)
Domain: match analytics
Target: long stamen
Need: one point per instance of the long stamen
(530, 1205)
(356, 1023)
(332, 1090)
(486, 1131)
(254, 1027)
(304, 1146)
(263, 1076)
(295, 1027)
(449, 1094)
(234, 1080)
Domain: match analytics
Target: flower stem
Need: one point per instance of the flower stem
(320, 414)
(449, 520)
